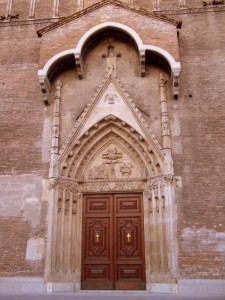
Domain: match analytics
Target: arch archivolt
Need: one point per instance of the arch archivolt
(148, 157)
(111, 157)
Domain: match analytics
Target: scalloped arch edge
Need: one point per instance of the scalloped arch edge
(45, 84)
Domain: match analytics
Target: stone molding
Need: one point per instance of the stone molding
(110, 155)
(77, 53)
(53, 170)
(109, 132)
(34, 286)
(86, 112)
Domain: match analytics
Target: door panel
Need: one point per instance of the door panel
(113, 248)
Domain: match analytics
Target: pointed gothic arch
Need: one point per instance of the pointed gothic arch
(111, 149)
(148, 154)
(110, 157)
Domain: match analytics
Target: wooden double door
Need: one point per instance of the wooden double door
(113, 242)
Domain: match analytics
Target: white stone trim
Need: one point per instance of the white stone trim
(174, 65)
(196, 287)
(162, 288)
(22, 285)
(101, 26)
(32, 9)
(43, 72)
(56, 9)
(60, 287)
(9, 9)
(201, 287)
(32, 285)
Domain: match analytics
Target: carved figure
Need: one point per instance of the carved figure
(98, 172)
(111, 98)
(126, 169)
(168, 165)
(162, 80)
(111, 157)
(53, 183)
(166, 129)
(112, 154)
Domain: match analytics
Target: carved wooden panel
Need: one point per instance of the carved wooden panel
(128, 239)
(97, 237)
(130, 264)
(113, 248)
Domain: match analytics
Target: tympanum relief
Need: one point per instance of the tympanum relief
(112, 164)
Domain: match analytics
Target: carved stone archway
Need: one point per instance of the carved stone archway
(107, 153)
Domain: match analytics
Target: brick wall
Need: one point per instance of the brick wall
(197, 121)
(201, 165)
(21, 125)
(45, 9)
(152, 31)
(21, 110)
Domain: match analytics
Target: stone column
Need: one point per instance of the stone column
(168, 162)
(171, 228)
(170, 215)
(56, 9)
(9, 9)
(80, 4)
(53, 182)
(164, 112)
(32, 9)
(156, 4)
(53, 171)
(157, 251)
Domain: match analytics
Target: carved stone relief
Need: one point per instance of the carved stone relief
(111, 98)
(121, 136)
(113, 156)
(111, 164)
(117, 186)
(114, 93)
(126, 169)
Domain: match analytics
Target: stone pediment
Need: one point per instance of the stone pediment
(100, 4)
(111, 99)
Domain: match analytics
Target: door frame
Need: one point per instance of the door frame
(113, 214)
(65, 218)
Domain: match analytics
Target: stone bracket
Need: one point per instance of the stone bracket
(80, 65)
(142, 63)
(175, 80)
(45, 86)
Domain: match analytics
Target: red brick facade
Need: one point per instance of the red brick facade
(197, 117)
